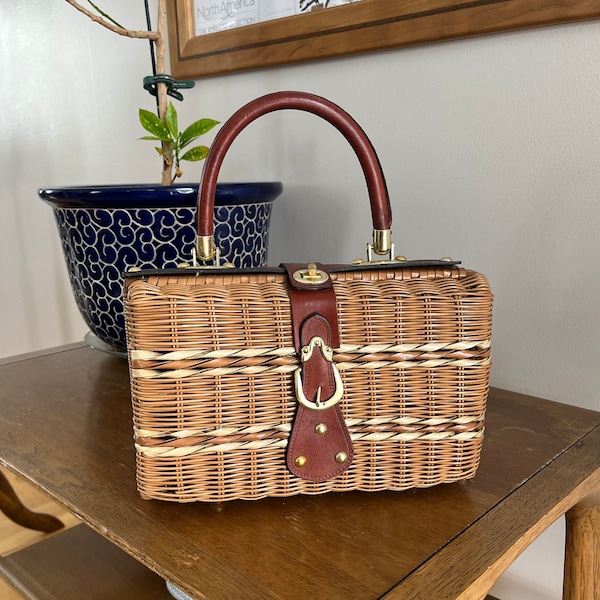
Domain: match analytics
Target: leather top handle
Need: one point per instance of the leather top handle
(376, 186)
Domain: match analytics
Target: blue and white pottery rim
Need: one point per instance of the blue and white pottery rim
(156, 196)
(106, 230)
(176, 592)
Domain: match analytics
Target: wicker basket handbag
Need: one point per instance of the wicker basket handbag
(305, 379)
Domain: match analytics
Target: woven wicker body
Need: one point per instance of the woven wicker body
(212, 365)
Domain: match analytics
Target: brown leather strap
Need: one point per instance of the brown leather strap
(319, 446)
(309, 299)
(378, 194)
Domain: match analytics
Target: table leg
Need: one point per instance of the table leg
(15, 510)
(582, 551)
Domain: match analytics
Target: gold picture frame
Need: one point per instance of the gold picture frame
(356, 28)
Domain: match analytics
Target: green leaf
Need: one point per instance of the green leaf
(196, 130)
(151, 137)
(196, 153)
(150, 122)
(171, 118)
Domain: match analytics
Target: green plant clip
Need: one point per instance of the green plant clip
(151, 81)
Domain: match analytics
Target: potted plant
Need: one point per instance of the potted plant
(108, 229)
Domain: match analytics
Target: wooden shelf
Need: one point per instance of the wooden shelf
(79, 563)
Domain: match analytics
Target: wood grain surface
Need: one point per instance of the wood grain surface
(80, 564)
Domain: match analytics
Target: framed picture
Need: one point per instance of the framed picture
(209, 37)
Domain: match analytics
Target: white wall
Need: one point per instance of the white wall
(490, 147)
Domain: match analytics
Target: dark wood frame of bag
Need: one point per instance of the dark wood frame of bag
(304, 379)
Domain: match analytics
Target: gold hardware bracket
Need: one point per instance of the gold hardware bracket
(391, 260)
(371, 248)
(396, 261)
(217, 262)
(205, 247)
(382, 242)
(382, 245)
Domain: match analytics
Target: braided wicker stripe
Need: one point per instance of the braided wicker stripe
(286, 427)
(178, 451)
(221, 443)
(255, 361)
(212, 362)
(344, 349)
(261, 370)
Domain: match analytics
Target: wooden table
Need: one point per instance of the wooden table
(65, 425)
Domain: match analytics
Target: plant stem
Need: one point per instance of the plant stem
(157, 37)
(146, 35)
(161, 90)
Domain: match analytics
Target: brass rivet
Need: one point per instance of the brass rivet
(447, 259)
(341, 457)
(401, 258)
(133, 269)
(320, 429)
(300, 461)
(358, 261)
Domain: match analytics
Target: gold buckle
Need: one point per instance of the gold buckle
(305, 355)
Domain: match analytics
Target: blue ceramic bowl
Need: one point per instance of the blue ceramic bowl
(106, 230)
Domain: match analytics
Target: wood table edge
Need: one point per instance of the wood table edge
(477, 585)
(7, 360)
